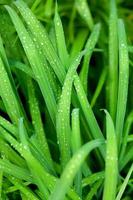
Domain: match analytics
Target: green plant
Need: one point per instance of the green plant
(58, 68)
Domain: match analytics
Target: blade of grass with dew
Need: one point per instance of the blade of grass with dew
(63, 113)
(99, 87)
(19, 172)
(84, 11)
(124, 184)
(123, 81)
(53, 81)
(93, 190)
(9, 153)
(39, 155)
(30, 195)
(113, 59)
(92, 178)
(71, 169)
(111, 163)
(12, 83)
(127, 127)
(60, 39)
(22, 67)
(76, 144)
(32, 162)
(24, 141)
(37, 121)
(90, 45)
(8, 96)
(8, 126)
(37, 171)
(42, 38)
(36, 63)
(88, 113)
(44, 47)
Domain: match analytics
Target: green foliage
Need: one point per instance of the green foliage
(61, 63)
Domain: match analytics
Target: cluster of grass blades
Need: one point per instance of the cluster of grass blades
(65, 116)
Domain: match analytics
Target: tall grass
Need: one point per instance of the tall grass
(55, 141)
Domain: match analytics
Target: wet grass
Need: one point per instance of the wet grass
(66, 100)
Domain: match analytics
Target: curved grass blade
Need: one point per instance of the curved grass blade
(22, 67)
(71, 169)
(8, 96)
(60, 39)
(37, 121)
(19, 172)
(94, 190)
(35, 62)
(42, 38)
(20, 186)
(123, 81)
(113, 59)
(9, 153)
(8, 126)
(84, 12)
(88, 113)
(90, 45)
(92, 178)
(12, 83)
(63, 114)
(124, 184)
(111, 164)
(76, 144)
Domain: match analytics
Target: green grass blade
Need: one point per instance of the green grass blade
(8, 96)
(94, 190)
(19, 172)
(71, 169)
(124, 184)
(8, 126)
(9, 153)
(113, 59)
(84, 11)
(63, 114)
(90, 45)
(92, 178)
(61, 44)
(76, 144)
(28, 193)
(37, 121)
(99, 87)
(42, 37)
(12, 82)
(111, 164)
(88, 113)
(123, 81)
(35, 62)
(22, 67)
